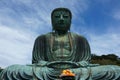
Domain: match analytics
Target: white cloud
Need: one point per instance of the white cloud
(16, 46)
(37, 13)
(116, 15)
(105, 44)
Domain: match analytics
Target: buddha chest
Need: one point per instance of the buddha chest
(61, 47)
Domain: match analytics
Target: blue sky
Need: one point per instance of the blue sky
(21, 21)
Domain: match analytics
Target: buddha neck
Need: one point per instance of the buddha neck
(61, 33)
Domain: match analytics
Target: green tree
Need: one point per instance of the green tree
(110, 59)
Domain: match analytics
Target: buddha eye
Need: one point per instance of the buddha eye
(65, 16)
(57, 16)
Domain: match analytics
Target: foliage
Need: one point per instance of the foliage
(110, 59)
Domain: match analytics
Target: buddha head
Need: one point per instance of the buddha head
(61, 19)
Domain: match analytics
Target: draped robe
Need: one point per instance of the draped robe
(42, 52)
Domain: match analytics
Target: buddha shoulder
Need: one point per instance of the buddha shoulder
(78, 36)
(43, 36)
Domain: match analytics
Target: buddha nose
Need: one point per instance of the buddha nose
(61, 19)
(61, 16)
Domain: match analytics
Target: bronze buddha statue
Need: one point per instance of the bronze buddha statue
(59, 50)
(60, 44)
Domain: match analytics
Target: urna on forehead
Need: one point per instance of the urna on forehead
(61, 9)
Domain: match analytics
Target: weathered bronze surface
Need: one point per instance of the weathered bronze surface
(59, 50)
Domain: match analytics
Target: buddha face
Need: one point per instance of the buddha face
(61, 20)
